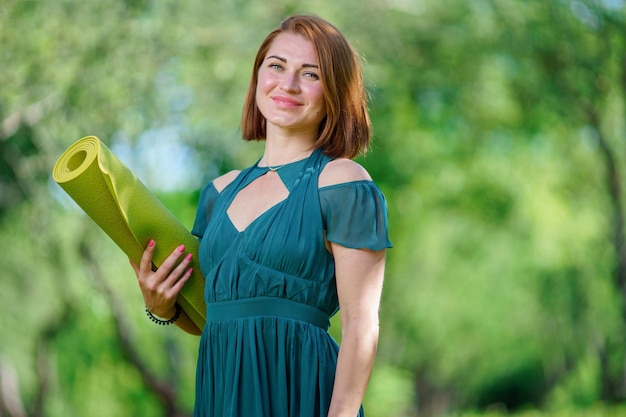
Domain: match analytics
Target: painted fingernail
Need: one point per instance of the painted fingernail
(189, 256)
(151, 243)
(190, 270)
(181, 248)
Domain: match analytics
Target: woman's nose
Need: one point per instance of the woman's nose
(289, 82)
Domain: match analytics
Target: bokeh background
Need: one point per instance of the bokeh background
(500, 143)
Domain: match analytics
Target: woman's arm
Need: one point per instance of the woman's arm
(160, 288)
(359, 274)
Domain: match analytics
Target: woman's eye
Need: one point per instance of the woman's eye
(312, 75)
(275, 66)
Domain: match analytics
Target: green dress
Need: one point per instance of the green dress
(270, 291)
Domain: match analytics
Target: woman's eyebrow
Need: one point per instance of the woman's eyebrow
(284, 60)
(276, 57)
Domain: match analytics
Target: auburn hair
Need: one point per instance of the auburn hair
(346, 129)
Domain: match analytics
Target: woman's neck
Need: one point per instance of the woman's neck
(283, 147)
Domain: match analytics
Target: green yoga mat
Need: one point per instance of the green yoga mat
(128, 212)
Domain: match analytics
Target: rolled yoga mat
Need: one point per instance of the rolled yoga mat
(128, 212)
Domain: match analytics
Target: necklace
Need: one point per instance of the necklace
(275, 168)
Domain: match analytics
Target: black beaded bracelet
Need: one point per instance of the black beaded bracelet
(164, 322)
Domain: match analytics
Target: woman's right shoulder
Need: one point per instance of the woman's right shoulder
(222, 181)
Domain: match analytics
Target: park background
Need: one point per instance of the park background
(499, 142)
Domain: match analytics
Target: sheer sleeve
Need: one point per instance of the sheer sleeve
(355, 215)
(205, 207)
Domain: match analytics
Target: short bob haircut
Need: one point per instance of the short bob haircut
(346, 129)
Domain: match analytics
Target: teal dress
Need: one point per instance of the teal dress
(270, 291)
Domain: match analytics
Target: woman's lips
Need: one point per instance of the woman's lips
(286, 101)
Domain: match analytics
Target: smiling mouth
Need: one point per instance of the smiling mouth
(286, 102)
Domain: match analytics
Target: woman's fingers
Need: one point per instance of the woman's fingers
(184, 274)
(179, 271)
(169, 273)
(169, 264)
(160, 287)
(146, 259)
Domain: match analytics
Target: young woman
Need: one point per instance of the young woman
(287, 242)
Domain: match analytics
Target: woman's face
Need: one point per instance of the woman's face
(289, 91)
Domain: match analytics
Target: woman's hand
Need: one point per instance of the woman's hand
(160, 287)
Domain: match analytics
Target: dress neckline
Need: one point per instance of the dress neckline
(278, 168)
(290, 172)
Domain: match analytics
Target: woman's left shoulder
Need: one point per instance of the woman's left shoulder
(342, 170)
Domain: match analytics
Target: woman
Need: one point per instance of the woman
(287, 241)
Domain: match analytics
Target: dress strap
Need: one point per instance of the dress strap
(268, 307)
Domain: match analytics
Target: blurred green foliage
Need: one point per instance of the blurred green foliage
(499, 143)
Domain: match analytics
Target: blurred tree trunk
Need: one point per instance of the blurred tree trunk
(613, 379)
(611, 351)
(431, 399)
